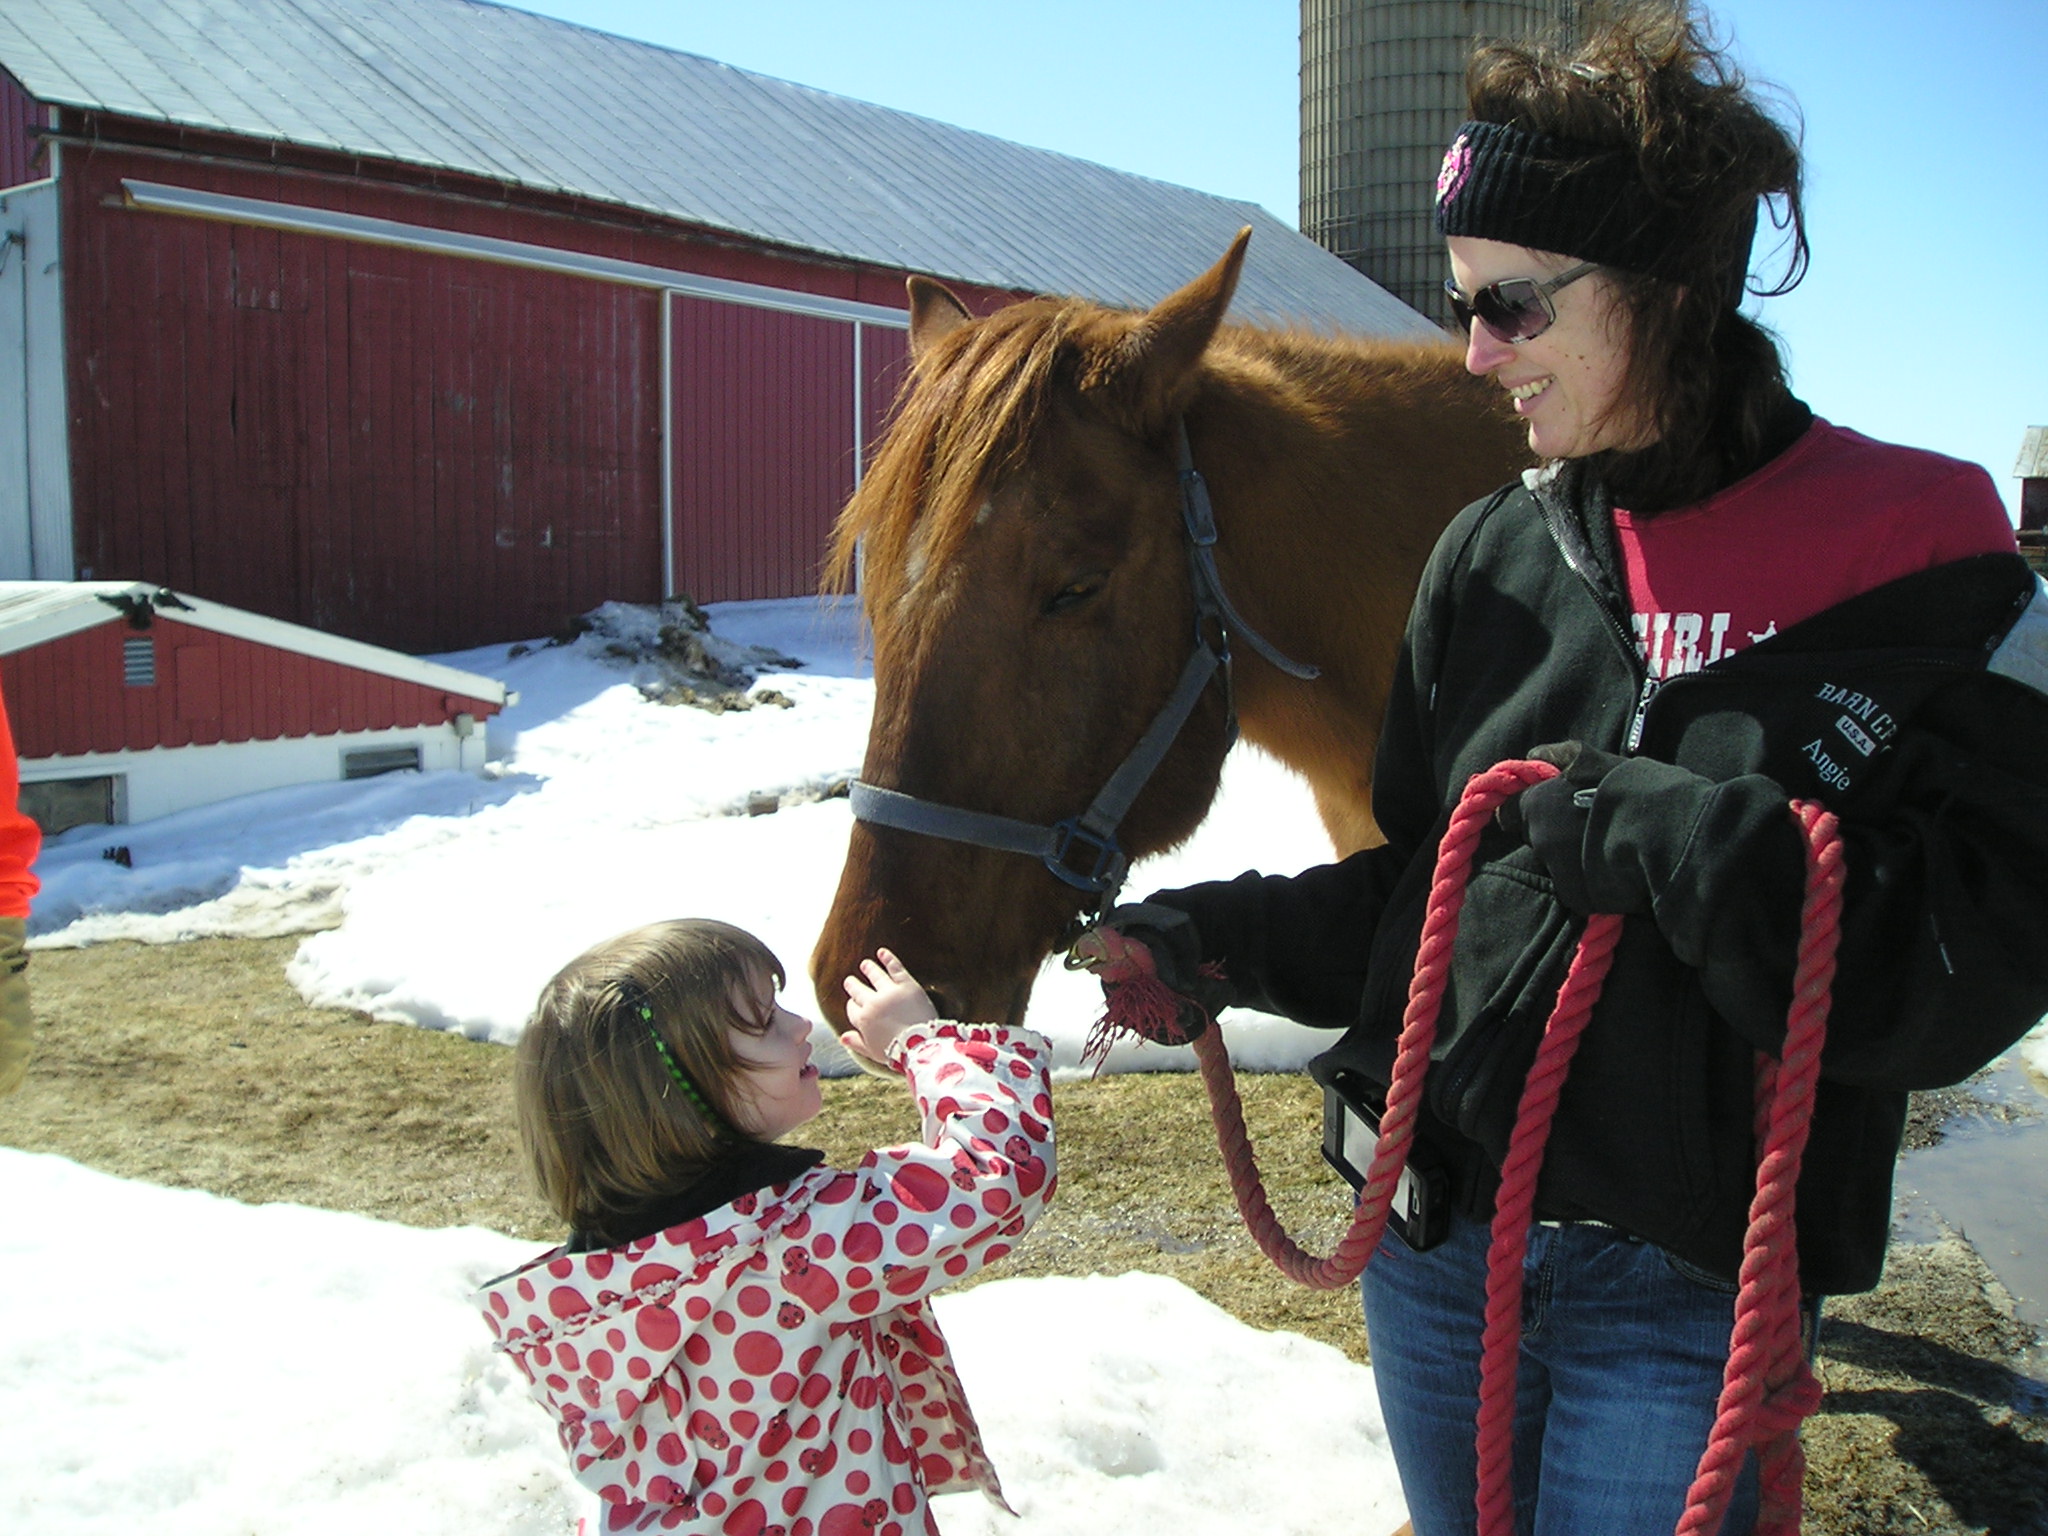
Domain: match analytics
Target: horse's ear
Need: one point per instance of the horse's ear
(934, 314)
(1153, 373)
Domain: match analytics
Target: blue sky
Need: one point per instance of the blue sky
(1926, 130)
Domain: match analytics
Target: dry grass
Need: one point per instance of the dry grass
(195, 1065)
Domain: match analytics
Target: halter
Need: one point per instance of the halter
(1090, 837)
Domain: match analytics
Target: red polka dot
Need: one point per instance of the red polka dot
(961, 1215)
(724, 1322)
(652, 1274)
(754, 1300)
(863, 1243)
(657, 1327)
(747, 1423)
(783, 1387)
(919, 1187)
(746, 1519)
(864, 1301)
(912, 1239)
(996, 1201)
(758, 1354)
(742, 1391)
(697, 1349)
(567, 1301)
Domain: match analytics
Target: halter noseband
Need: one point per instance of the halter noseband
(1093, 832)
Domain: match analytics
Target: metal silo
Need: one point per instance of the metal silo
(1382, 90)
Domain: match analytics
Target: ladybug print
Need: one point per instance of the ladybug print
(829, 1274)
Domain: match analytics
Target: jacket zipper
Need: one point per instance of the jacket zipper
(1579, 560)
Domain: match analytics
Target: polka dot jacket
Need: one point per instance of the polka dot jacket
(772, 1368)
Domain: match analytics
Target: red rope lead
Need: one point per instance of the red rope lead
(1767, 1389)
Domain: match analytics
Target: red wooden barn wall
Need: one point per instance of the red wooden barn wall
(21, 152)
(764, 436)
(416, 450)
(68, 696)
(423, 451)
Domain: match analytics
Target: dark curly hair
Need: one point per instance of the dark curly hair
(1650, 80)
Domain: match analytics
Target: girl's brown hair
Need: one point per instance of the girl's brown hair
(606, 1128)
(1707, 382)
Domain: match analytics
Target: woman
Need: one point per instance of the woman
(1706, 603)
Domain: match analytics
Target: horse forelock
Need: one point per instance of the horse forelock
(967, 414)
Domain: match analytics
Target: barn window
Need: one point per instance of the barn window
(138, 661)
(371, 761)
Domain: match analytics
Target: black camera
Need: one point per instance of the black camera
(1351, 1134)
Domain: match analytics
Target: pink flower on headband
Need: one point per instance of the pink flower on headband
(1450, 181)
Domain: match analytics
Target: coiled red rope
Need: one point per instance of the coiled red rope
(1767, 1389)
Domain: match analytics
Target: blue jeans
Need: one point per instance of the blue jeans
(1623, 1348)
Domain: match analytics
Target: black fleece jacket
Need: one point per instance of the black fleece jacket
(1916, 712)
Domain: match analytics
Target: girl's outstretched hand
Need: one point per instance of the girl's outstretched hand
(882, 1001)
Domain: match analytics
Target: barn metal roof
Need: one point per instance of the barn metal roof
(539, 103)
(34, 613)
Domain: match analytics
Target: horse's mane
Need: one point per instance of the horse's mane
(973, 401)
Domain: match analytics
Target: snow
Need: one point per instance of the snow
(333, 1380)
(447, 900)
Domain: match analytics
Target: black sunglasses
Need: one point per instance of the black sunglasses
(1515, 308)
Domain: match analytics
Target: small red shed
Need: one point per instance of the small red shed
(437, 323)
(129, 702)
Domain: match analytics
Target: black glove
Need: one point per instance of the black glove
(1558, 819)
(1136, 949)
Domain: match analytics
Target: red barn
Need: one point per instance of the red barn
(129, 702)
(434, 324)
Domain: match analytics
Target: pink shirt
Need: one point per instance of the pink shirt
(1833, 516)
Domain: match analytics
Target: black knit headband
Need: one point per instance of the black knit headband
(1549, 194)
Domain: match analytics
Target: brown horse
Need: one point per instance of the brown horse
(1023, 566)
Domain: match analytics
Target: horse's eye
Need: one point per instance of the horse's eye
(1073, 594)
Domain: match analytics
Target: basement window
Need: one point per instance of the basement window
(138, 661)
(58, 805)
(371, 761)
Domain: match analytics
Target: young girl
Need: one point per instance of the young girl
(735, 1337)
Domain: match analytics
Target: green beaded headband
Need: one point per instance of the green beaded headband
(690, 1089)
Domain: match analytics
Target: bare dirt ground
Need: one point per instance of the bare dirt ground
(196, 1065)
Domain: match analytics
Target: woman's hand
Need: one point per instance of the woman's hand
(882, 1001)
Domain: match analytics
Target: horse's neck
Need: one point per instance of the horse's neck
(1334, 469)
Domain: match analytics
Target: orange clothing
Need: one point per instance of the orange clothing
(20, 839)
